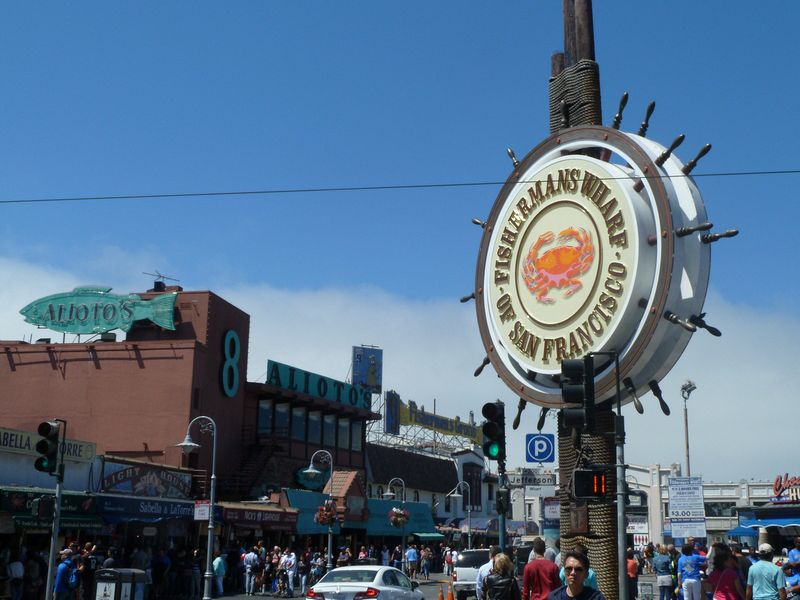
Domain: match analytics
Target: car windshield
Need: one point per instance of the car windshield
(472, 559)
(349, 576)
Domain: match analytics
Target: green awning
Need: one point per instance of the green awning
(429, 536)
(420, 518)
(307, 504)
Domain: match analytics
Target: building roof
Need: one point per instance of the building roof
(418, 471)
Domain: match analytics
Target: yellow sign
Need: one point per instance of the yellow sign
(410, 414)
(24, 442)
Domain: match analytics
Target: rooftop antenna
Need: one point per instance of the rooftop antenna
(159, 284)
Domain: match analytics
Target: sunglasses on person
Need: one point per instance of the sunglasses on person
(574, 569)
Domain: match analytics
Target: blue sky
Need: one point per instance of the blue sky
(106, 99)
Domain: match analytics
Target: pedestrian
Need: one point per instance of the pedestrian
(590, 580)
(411, 560)
(16, 574)
(448, 562)
(425, 563)
(501, 584)
(663, 573)
(632, 570)
(484, 570)
(195, 589)
(251, 569)
(723, 582)
(219, 568)
(62, 588)
(689, 572)
(540, 576)
(576, 568)
(765, 581)
(385, 556)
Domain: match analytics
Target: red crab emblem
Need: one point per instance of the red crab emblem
(559, 267)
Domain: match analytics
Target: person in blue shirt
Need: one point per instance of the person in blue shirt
(794, 557)
(689, 573)
(61, 588)
(792, 582)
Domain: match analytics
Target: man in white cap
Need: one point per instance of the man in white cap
(765, 581)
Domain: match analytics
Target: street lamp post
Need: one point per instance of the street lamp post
(312, 470)
(207, 425)
(454, 494)
(390, 494)
(686, 391)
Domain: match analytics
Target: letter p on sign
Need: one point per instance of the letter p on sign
(540, 447)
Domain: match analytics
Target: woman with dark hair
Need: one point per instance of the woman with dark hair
(501, 584)
(723, 583)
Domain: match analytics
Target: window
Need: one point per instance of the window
(380, 491)
(282, 419)
(490, 492)
(369, 490)
(344, 434)
(329, 430)
(447, 504)
(299, 423)
(265, 416)
(196, 398)
(416, 495)
(314, 427)
(357, 434)
(720, 509)
(434, 502)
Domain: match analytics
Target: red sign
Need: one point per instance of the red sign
(784, 483)
(272, 520)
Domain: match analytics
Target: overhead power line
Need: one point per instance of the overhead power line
(352, 188)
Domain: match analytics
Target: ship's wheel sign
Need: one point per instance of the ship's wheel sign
(579, 254)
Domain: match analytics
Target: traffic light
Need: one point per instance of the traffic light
(48, 447)
(577, 387)
(589, 483)
(43, 507)
(494, 431)
(503, 501)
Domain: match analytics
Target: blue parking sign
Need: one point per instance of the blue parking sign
(540, 447)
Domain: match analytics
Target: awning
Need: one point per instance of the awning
(742, 532)
(454, 521)
(428, 536)
(419, 518)
(771, 522)
(477, 524)
(307, 503)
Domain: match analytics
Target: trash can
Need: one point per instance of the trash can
(117, 584)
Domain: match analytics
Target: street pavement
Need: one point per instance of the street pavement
(647, 589)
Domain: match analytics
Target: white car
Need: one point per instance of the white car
(365, 582)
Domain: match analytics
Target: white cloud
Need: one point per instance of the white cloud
(743, 403)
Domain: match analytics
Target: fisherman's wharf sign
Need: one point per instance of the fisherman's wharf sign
(93, 309)
(579, 255)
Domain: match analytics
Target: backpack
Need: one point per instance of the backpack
(72, 581)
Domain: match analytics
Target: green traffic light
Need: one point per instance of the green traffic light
(493, 450)
(42, 464)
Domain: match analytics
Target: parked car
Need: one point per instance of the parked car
(365, 582)
(465, 572)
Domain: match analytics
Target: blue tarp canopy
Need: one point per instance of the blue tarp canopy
(771, 522)
(742, 532)
(478, 523)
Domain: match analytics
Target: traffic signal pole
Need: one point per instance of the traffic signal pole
(51, 563)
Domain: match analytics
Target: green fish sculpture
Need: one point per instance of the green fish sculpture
(92, 309)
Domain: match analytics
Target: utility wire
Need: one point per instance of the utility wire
(356, 188)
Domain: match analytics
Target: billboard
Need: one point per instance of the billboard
(399, 413)
(368, 368)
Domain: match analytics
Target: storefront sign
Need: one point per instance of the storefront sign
(20, 502)
(271, 520)
(94, 310)
(786, 489)
(145, 480)
(573, 260)
(24, 442)
(399, 413)
(636, 524)
(121, 508)
(202, 510)
(298, 380)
